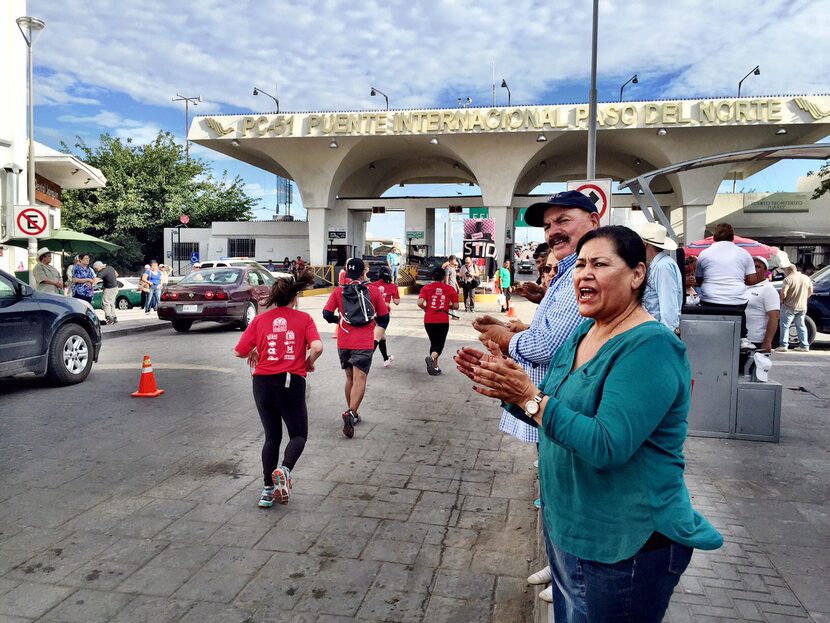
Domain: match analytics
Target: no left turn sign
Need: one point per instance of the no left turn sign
(30, 222)
(598, 191)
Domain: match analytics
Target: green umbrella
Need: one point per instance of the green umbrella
(68, 241)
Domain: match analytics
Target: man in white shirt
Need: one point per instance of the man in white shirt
(762, 309)
(723, 271)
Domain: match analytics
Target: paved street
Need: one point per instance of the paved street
(118, 509)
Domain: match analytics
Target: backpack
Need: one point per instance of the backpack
(357, 308)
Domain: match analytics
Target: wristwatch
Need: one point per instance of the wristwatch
(532, 406)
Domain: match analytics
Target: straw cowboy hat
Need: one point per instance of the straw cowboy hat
(655, 234)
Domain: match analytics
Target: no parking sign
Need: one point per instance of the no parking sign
(598, 191)
(30, 222)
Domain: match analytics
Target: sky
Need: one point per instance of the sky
(114, 67)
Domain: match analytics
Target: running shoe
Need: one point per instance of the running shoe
(282, 485)
(266, 498)
(388, 362)
(437, 372)
(357, 418)
(430, 365)
(348, 423)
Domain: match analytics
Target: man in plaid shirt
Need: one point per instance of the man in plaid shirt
(565, 217)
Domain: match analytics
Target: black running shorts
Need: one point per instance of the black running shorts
(354, 358)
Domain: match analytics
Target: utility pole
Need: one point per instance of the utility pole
(187, 101)
(592, 102)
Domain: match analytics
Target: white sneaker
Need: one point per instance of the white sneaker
(547, 595)
(389, 361)
(540, 577)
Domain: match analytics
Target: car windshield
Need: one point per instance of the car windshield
(213, 276)
(822, 276)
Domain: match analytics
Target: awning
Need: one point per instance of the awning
(66, 170)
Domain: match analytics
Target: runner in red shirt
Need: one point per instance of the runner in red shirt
(275, 344)
(437, 299)
(355, 344)
(389, 290)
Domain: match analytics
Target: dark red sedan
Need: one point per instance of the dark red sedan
(231, 295)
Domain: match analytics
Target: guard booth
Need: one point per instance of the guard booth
(727, 400)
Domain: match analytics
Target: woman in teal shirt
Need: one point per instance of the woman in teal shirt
(613, 410)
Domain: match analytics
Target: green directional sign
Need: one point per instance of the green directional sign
(479, 212)
(520, 221)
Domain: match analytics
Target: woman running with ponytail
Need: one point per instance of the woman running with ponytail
(281, 344)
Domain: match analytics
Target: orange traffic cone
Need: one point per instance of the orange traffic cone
(511, 312)
(147, 385)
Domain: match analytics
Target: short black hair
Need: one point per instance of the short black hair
(627, 245)
(438, 274)
(541, 250)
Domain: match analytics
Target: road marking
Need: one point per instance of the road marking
(800, 364)
(164, 366)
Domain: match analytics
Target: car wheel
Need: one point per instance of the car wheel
(182, 326)
(122, 302)
(70, 355)
(248, 317)
(811, 332)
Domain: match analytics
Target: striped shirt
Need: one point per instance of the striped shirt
(555, 320)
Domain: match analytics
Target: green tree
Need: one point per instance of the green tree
(148, 188)
(824, 179)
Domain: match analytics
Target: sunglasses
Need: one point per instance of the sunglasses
(547, 268)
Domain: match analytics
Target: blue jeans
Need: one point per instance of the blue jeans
(635, 590)
(787, 317)
(152, 299)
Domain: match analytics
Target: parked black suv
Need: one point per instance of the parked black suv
(46, 334)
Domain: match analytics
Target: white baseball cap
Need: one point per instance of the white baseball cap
(762, 366)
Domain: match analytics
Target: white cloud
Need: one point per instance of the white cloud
(134, 129)
(326, 55)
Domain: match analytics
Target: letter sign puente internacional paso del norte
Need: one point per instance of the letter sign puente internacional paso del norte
(668, 114)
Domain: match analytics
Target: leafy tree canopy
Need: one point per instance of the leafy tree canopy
(824, 178)
(148, 188)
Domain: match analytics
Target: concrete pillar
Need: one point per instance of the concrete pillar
(422, 219)
(317, 235)
(503, 216)
(694, 223)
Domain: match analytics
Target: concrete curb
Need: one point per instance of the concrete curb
(136, 328)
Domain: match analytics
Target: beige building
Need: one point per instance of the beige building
(343, 162)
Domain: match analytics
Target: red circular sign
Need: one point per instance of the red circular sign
(185, 219)
(601, 203)
(31, 222)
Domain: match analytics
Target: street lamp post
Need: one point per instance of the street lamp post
(276, 101)
(592, 101)
(374, 92)
(756, 72)
(30, 28)
(633, 80)
(187, 101)
(504, 86)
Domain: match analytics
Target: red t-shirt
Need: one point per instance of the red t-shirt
(356, 338)
(389, 291)
(281, 336)
(439, 297)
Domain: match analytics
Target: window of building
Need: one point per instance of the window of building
(241, 247)
(183, 251)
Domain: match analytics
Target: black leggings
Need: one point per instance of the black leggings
(277, 403)
(437, 332)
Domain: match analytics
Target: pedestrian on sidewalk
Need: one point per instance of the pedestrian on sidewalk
(281, 345)
(503, 284)
(47, 277)
(664, 290)
(796, 290)
(763, 311)
(109, 276)
(83, 279)
(389, 291)
(470, 280)
(437, 299)
(359, 309)
(152, 277)
(69, 270)
(622, 527)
